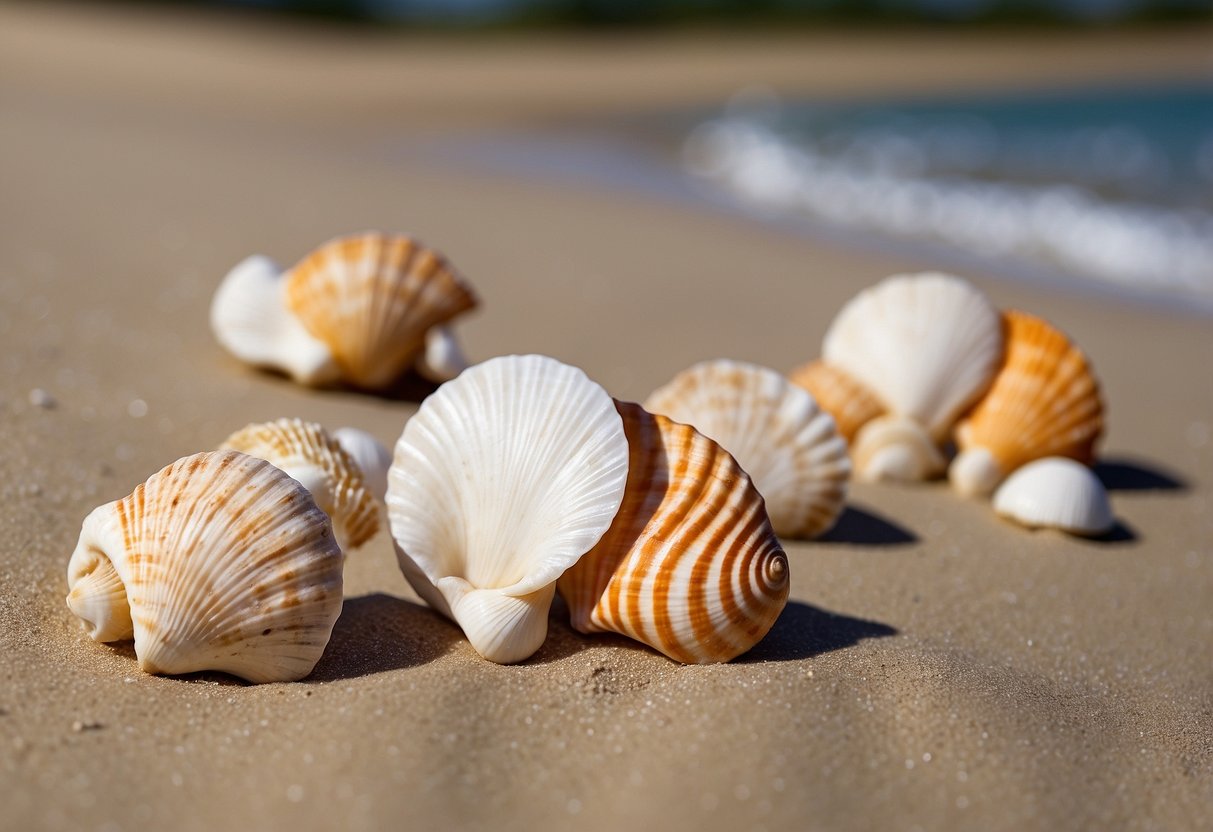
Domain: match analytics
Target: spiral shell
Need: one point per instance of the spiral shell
(310, 454)
(850, 403)
(372, 298)
(224, 563)
(501, 481)
(1044, 402)
(927, 345)
(775, 431)
(690, 566)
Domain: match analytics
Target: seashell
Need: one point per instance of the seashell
(927, 345)
(775, 431)
(362, 309)
(313, 456)
(501, 481)
(1044, 402)
(850, 403)
(250, 319)
(372, 298)
(894, 448)
(372, 457)
(690, 566)
(218, 562)
(1056, 492)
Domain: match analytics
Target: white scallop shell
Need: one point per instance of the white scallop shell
(225, 563)
(370, 455)
(784, 441)
(250, 319)
(1056, 492)
(926, 344)
(503, 479)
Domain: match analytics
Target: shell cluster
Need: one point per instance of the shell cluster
(521, 478)
(918, 362)
(523, 470)
(360, 310)
(776, 431)
(230, 560)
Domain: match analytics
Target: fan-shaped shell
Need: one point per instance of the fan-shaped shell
(501, 481)
(850, 403)
(1044, 402)
(690, 566)
(226, 563)
(783, 440)
(926, 344)
(310, 454)
(1056, 492)
(372, 298)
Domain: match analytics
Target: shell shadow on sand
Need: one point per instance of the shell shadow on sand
(1127, 474)
(377, 633)
(862, 527)
(804, 631)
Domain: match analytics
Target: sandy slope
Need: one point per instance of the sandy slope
(937, 668)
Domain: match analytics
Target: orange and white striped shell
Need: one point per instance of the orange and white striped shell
(220, 561)
(850, 403)
(372, 298)
(314, 457)
(776, 432)
(1044, 402)
(690, 565)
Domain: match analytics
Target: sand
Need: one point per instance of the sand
(936, 668)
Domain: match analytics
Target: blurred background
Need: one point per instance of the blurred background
(1056, 141)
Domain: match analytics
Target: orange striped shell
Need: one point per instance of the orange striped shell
(690, 566)
(372, 298)
(310, 454)
(850, 403)
(1044, 401)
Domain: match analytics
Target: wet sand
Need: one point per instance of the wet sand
(936, 668)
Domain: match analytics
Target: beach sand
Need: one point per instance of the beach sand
(937, 668)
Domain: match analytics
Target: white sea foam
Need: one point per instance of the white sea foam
(891, 185)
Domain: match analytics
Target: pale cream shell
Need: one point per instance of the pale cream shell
(226, 564)
(927, 345)
(1058, 493)
(775, 430)
(372, 298)
(310, 454)
(501, 481)
(690, 566)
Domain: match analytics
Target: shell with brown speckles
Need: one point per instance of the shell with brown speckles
(220, 561)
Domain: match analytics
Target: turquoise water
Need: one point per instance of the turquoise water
(1108, 184)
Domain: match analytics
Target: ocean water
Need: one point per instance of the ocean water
(1106, 185)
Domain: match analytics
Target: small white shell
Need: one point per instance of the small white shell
(894, 448)
(443, 358)
(370, 455)
(1058, 493)
(784, 441)
(224, 563)
(250, 319)
(926, 344)
(503, 479)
